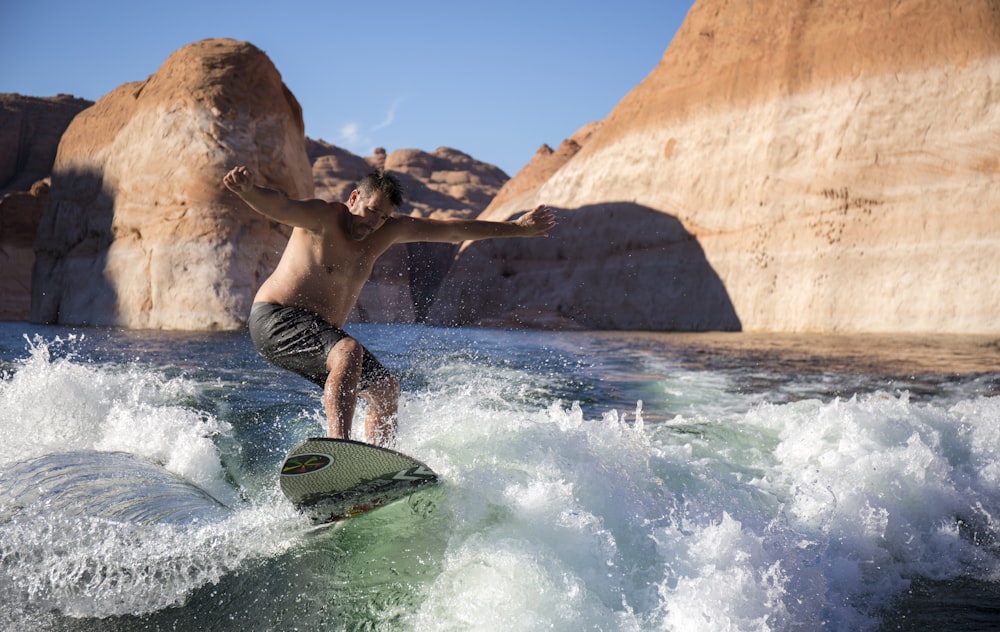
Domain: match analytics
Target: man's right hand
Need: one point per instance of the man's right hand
(239, 180)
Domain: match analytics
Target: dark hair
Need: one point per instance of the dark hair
(384, 181)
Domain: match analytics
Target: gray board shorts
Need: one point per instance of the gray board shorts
(299, 340)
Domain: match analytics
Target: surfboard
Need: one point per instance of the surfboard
(333, 479)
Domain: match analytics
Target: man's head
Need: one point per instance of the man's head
(384, 181)
(377, 197)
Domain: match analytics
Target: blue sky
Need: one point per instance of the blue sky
(495, 80)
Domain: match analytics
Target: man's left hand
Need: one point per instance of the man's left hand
(537, 221)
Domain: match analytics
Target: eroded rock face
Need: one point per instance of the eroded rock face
(446, 182)
(139, 230)
(833, 164)
(20, 214)
(30, 129)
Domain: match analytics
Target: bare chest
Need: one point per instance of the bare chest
(346, 260)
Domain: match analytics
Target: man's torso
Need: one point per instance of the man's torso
(324, 271)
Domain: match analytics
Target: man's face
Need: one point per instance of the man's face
(367, 214)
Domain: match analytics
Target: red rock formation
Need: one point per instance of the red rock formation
(335, 171)
(830, 166)
(737, 52)
(446, 182)
(139, 231)
(442, 183)
(30, 129)
(20, 213)
(542, 166)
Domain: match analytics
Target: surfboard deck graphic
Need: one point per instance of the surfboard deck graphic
(333, 479)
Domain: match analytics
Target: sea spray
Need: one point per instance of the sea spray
(56, 402)
(852, 501)
(87, 566)
(547, 524)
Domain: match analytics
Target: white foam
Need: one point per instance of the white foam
(84, 566)
(807, 514)
(55, 403)
(88, 567)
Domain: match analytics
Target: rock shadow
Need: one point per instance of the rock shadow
(428, 264)
(616, 265)
(68, 281)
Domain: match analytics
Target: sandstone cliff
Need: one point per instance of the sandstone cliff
(30, 129)
(20, 214)
(788, 166)
(138, 231)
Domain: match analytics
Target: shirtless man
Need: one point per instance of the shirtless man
(298, 314)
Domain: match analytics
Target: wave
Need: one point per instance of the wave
(699, 507)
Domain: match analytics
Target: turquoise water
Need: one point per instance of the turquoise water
(593, 481)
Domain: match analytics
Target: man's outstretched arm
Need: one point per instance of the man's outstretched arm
(534, 223)
(274, 204)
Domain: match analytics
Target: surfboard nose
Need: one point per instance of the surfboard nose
(331, 479)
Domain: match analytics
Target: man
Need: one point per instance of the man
(298, 313)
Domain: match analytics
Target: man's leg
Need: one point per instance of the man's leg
(383, 403)
(340, 395)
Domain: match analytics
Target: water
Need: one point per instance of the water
(593, 481)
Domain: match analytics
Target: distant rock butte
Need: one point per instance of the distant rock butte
(788, 166)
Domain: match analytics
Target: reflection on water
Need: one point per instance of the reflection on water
(788, 367)
(877, 354)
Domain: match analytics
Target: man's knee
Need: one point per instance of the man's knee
(385, 390)
(347, 353)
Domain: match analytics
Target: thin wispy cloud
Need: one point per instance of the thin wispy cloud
(390, 116)
(352, 137)
(350, 134)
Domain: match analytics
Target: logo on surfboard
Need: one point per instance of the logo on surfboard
(305, 464)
